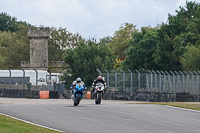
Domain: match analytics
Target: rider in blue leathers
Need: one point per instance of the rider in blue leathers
(78, 80)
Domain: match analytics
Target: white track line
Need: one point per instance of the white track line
(179, 108)
(32, 123)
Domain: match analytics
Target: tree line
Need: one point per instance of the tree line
(172, 45)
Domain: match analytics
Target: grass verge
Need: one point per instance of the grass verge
(187, 105)
(10, 125)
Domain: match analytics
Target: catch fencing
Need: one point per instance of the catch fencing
(153, 81)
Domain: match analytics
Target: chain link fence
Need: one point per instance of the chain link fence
(153, 81)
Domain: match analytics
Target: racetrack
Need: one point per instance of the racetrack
(109, 117)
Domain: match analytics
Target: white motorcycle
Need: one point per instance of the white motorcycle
(98, 92)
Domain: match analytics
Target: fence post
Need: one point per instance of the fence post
(183, 82)
(160, 79)
(192, 81)
(9, 78)
(131, 80)
(155, 79)
(164, 80)
(197, 86)
(187, 86)
(99, 72)
(138, 79)
(23, 77)
(115, 79)
(169, 81)
(36, 79)
(178, 81)
(174, 87)
(151, 79)
(107, 78)
(123, 80)
(49, 71)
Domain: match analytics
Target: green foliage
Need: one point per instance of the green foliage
(160, 48)
(191, 59)
(29, 85)
(121, 39)
(181, 31)
(14, 48)
(8, 23)
(140, 54)
(60, 40)
(85, 59)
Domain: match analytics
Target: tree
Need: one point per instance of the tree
(191, 59)
(8, 23)
(60, 39)
(14, 48)
(141, 51)
(121, 39)
(85, 59)
(180, 31)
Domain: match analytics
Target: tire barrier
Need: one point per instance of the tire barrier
(88, 95)
(16, 93)
(53, 94)
(152, 96)
(44, 94)
(186, 97)
(109, 95)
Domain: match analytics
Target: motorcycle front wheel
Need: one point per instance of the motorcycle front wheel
(98, 99)
(78, 98)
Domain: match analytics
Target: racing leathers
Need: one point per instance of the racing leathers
(97, 81)
(74, 84)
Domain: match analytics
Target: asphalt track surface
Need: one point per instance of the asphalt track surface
(107, 118)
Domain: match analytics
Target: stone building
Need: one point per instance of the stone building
(38, 49)
(38, 37)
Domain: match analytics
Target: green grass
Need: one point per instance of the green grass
(187, 105)
(10, 125)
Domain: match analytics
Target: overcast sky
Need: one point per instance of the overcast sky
(91, 18)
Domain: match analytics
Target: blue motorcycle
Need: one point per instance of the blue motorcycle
(78, 93)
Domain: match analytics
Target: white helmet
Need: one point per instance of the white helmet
(78, 80)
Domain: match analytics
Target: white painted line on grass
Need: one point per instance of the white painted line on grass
(32, 123)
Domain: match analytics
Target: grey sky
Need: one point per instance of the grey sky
(91, 18)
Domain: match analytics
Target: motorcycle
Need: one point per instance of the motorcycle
(78, 93)
(98, 92)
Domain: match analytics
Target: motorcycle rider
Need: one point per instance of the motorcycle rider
(78, 80)
(97, 80)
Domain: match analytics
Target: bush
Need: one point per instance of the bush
(29, 85)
